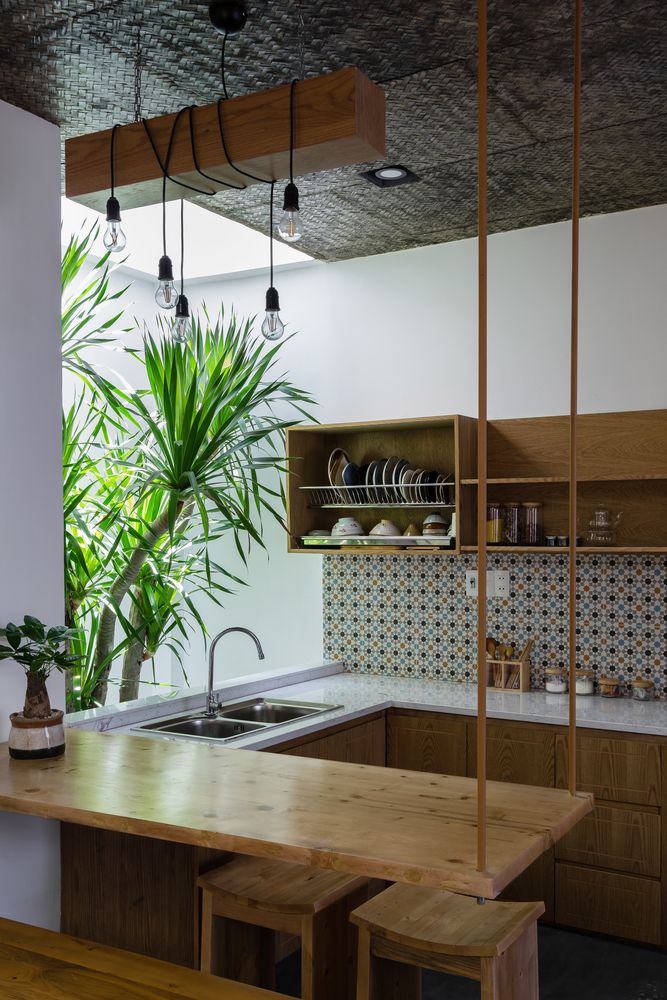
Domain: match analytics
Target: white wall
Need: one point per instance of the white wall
(395, 336)
(31, 496)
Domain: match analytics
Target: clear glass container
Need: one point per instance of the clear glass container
(609, 687)
(494, 524)
(532, 523)
(513, 522)
(602, 527)
(642, 690)
(584, 682)
(555, 680)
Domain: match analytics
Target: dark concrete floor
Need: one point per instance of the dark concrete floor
(572, 967)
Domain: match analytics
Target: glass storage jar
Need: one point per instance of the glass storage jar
(555, 680)
(584, 681)
(494, 523)
(532, 523)
(610, 687)
(513, 519)
(642, 689)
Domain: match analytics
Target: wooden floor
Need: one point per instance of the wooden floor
(399, 825)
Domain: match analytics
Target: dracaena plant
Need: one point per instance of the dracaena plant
(155, 476)
(39, 650)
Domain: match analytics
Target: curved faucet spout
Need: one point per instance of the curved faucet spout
(211, 703)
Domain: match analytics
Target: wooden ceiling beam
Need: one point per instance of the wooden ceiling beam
(339, 120)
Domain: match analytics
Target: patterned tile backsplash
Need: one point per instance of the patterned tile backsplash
(410, 616)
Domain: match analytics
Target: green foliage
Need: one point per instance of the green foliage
(38, 649)
(155, 476)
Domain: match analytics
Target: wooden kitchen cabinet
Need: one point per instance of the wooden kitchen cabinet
(424, 741)
(625, 906)
(622, 768)
(616, 837)
(520, 752)
(358, 743)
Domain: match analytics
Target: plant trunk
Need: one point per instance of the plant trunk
(119, 590)
(135, 655)
(37, 704)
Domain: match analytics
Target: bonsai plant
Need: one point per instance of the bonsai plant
(38, 730)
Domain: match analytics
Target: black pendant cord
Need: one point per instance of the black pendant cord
(208, 177)
(113, 159)
(222, 67)
(182, 245)
(244, 173)
(273, 184)
(291, 130)
(164, 167)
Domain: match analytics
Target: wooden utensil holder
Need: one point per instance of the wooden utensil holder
(510, 675)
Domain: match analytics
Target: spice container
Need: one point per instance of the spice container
(609, 687)
(513, 522)
(555, 680)
(532, 523)
(584, 682)
(494, 524)
(642, 690)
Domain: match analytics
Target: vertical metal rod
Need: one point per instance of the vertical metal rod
(482, 430)
(574, 375)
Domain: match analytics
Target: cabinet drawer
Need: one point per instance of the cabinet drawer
(626, 906)
(360, 744)
(621, 770)
(522, 754)
(625, 840)
(423, 742)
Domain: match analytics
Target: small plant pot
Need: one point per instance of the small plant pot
(32, 739)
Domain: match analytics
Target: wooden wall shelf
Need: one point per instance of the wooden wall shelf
(622, 466)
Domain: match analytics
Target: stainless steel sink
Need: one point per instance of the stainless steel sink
(237, 719)
(273, 713)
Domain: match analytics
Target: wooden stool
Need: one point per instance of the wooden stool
(38, 963)
(408, 928)
(257, 897)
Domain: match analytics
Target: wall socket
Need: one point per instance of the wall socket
(497, 583)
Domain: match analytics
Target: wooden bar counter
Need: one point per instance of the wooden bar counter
(390, 824)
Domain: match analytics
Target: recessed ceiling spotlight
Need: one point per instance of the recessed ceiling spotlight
(390, 176)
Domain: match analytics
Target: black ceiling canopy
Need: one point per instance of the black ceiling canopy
(72, 62)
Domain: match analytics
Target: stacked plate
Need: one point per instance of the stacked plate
(387, 481)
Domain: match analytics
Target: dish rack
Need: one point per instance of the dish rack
(511, 675)
(406, 495)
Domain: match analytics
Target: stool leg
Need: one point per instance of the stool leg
(364, 965)
(333, 963)
(307, 959)
(206, 932)
(514, 974)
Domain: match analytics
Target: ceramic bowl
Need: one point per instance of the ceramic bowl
(346, 526)
(411, 531)
(434, 519)
(385, 528)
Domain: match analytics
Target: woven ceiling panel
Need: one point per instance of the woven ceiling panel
(73, 62)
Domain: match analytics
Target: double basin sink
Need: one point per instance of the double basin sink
(237, 720)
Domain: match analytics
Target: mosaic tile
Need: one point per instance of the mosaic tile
(386, 614)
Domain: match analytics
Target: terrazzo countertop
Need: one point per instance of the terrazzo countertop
(359, 695)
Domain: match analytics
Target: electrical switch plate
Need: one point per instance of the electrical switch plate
(471, 583)
(502, 583)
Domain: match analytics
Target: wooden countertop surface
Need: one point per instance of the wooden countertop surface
(404, 826)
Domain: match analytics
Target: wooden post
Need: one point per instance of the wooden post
(574, 374)
(482, 435)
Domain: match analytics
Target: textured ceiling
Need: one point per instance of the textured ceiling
(73, 62)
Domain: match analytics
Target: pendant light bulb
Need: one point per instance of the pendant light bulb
(289, 226)
(272, 327)
(166, 294)
(114, 239)
(182, 328)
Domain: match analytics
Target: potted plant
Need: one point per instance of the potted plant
(38, 730)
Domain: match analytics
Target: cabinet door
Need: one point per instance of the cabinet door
(615, 837)
(617, 769)
(523, 754)
(607, 902)
(423, 741)
(358, 744)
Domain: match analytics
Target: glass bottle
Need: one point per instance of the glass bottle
(532, 523)
(494, 523)
(513, 523)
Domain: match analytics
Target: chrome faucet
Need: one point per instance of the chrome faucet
(211, 703)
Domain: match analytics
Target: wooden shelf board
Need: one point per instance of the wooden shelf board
(586, 549)
(377, 550)
(528, 480)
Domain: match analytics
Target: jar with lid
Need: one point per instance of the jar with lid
(610, 687)
(513, 522)
(555, 680)
(494, 523)
(584, 681)
(642, 689)
(532, 523)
